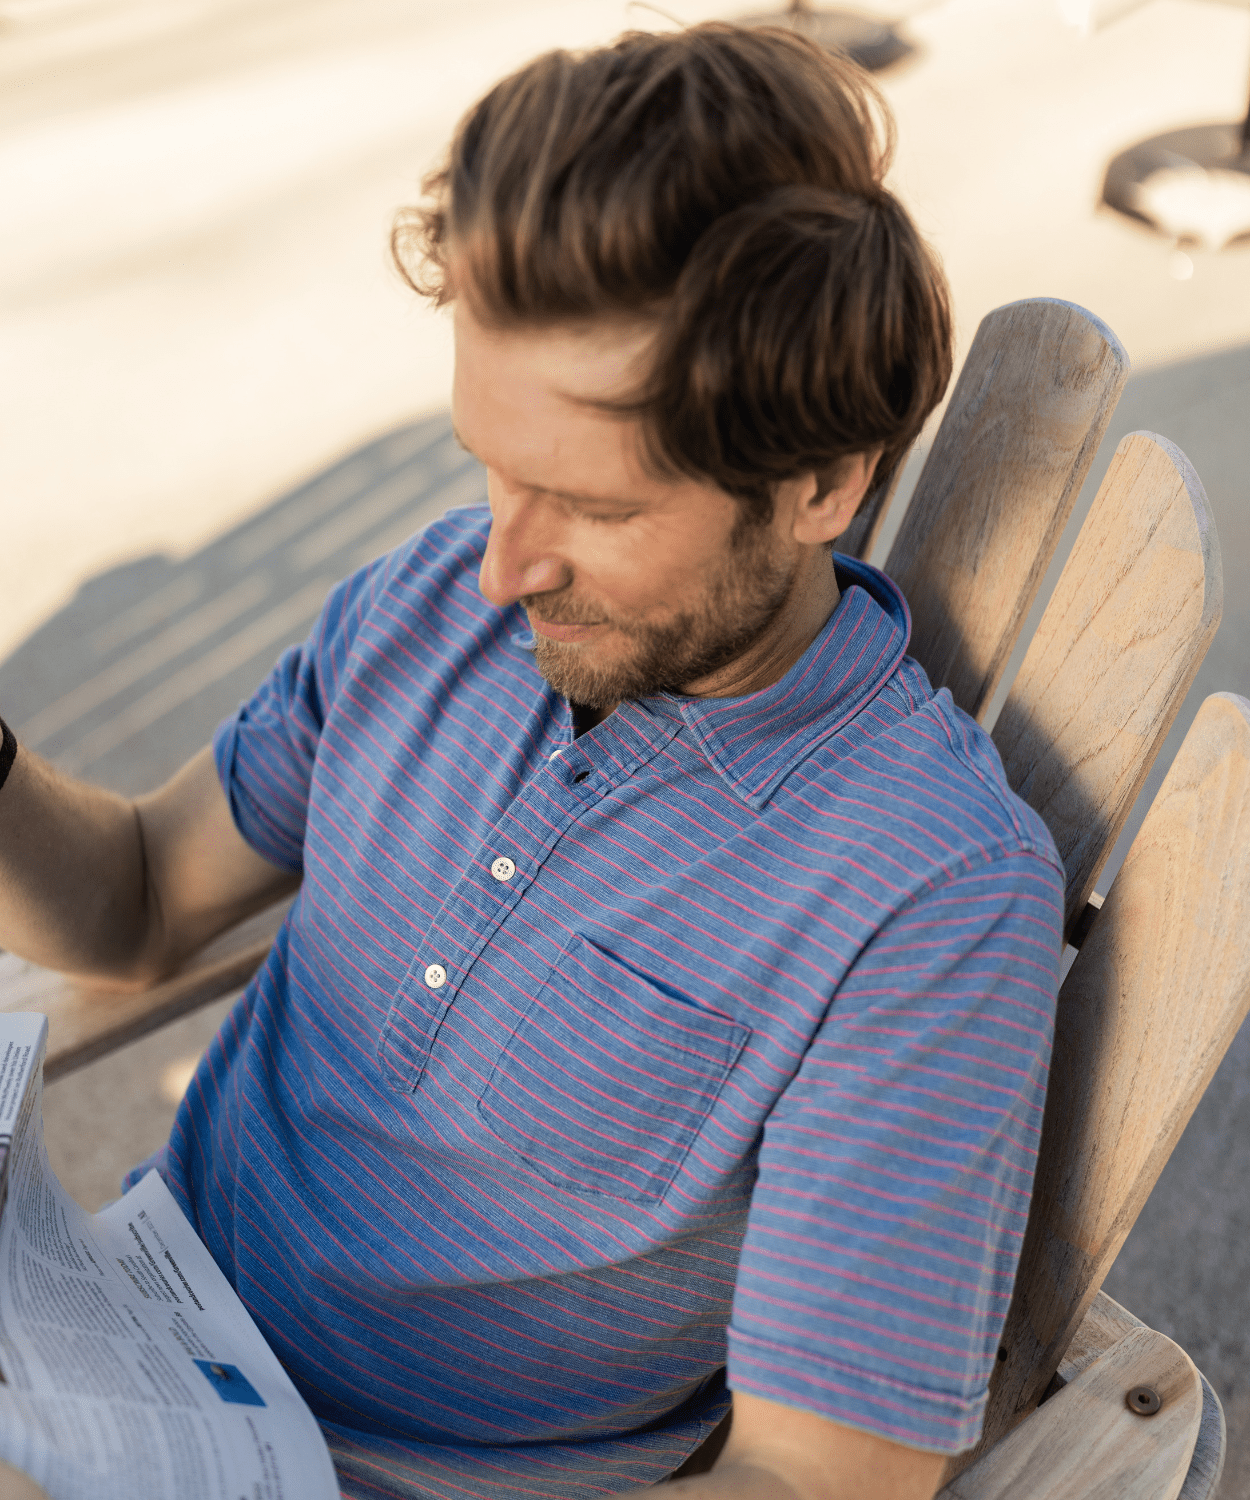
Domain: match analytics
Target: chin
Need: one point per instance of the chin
(595, 679)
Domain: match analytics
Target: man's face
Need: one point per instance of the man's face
(633, 583)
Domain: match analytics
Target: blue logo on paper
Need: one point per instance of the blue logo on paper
(230, 1383)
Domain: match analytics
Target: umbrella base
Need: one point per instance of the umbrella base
(871, 43)
(1191, 185)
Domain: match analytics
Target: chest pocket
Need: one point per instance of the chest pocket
(607, 1080)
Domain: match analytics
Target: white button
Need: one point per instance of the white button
(436, 976)
(556, 754)
(503, 868)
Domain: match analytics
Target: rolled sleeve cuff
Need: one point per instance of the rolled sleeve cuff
(270, 839)
(935, 1421)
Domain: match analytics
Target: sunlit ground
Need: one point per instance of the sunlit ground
(195, 305)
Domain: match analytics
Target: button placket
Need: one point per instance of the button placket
(476, 908)
(471, 914)
(574, 768)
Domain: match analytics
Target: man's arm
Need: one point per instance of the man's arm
(777, 1452)
(14, 1485)
(91, 883)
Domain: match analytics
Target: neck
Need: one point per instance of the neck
(810, 602)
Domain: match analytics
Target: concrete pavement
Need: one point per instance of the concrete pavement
(195, 305)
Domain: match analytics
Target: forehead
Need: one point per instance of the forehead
(523, 400)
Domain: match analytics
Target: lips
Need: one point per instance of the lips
(570, 633)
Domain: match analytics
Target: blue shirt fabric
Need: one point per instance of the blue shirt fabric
(585, 1065)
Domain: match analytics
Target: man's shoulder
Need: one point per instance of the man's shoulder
(914, 762)
(452, 543)
(442, 558)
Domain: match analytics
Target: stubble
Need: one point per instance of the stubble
(735, 610)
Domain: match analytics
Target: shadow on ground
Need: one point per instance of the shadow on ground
(132, 676)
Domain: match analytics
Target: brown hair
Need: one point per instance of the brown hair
(728, 183)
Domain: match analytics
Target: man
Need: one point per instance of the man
(668, 957)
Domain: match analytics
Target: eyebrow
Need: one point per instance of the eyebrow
(546, 489)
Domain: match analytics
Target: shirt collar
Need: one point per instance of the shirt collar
(754, 742)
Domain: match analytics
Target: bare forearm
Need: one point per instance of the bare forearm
(73, 887)
(811, 1476)
(93, 884)
(777, 1452)
(727, 1481)
(14, 1485)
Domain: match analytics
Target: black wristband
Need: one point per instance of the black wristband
(8, 751)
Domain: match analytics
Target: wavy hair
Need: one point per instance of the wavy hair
(727, 184)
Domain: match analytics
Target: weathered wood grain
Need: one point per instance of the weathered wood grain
(1027, 415)
(1086, 1444)
(1206, 1464)
(1149, 1008)
(1105, 1323)
(1113, 657)
(85, 1021)
(1103, 1326)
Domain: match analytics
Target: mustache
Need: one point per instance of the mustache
(551, 609)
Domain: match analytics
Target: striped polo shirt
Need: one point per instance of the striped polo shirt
(587, 1065)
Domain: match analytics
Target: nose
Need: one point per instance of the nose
(522, 554)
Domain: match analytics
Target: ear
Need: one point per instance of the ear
(831, 497)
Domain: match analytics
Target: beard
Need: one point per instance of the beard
(736, 608)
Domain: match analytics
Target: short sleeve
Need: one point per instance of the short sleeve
(266, 750)
(896, 1169)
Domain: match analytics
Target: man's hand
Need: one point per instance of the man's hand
(775, 1452)
(91, 883)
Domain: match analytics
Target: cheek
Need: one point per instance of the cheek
(663, 563)
(640, 578)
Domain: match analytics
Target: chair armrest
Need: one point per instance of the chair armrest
(1087, 1440)
(87, 1020)
(1068, 1450)
(1106, 1323)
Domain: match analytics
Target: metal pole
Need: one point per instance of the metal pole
(1245, 136)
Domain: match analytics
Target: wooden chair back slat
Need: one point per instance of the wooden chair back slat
(1149, 1008)
(1114, 655)
(1027, 415)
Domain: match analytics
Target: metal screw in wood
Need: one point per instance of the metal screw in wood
(1144, 1400)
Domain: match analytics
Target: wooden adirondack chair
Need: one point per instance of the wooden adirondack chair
(1086, 1400)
